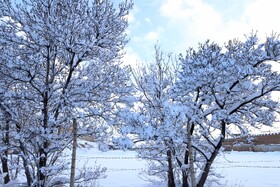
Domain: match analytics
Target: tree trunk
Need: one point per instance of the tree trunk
(5, 167)
(185, 179)
(45, 144)
(209, 162)
(42, 164)
(4, 159)
(184, 170)
(73, 159)
(27, 171)
(171, 181)
(191, 158)
(185, 174)
(23, 156)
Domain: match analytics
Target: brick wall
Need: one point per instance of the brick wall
(263, 142)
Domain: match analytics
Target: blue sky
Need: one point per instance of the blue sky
(179, 24)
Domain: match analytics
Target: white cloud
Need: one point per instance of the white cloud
(173, 9)
(131, 58)
(130, 18)
(258, 16)
(148, 20)
(136, 39)
(152, 36)
(190, 10)
(133, 23)
(263, 16)
(196, 21)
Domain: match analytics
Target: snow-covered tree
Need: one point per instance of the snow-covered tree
(62, 61)
(226, 86)
(155, 124)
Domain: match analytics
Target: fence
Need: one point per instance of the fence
(262, 164)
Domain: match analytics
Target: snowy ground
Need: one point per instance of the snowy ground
(240, 169)
(250, 169)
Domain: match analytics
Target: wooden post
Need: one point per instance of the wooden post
(74, 149)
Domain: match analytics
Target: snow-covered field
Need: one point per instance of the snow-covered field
(250, 169)
(240, 169)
